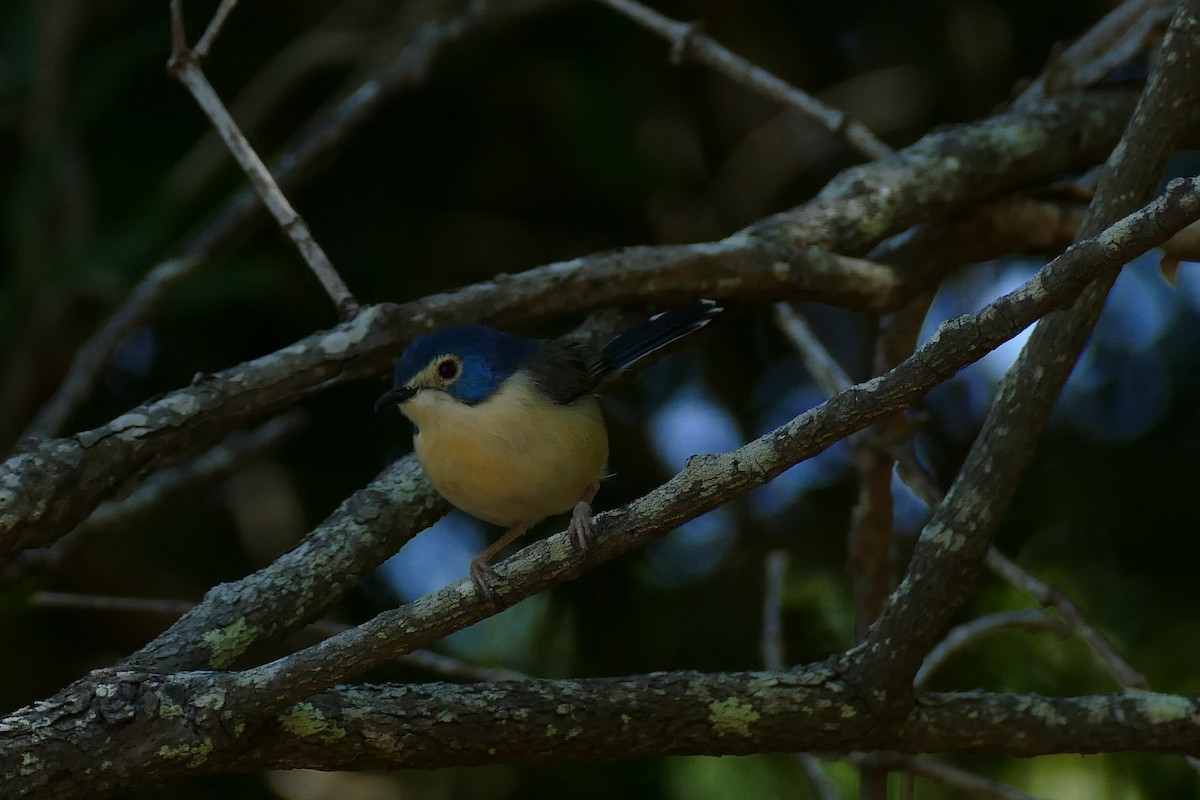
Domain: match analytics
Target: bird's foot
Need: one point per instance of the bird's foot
(580, 530)
(486, 581)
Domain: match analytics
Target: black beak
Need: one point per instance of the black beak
(394, 397)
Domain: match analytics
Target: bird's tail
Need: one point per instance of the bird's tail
(657, 332)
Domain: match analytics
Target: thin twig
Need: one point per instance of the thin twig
(405, 71)
(687, 41)
(1050, 597)
(924, 487)
(774, 572)
(211, 465)
(1108, 44)
(820, 784)
(184, 65)
(964, 636)
(90, 360)
(826, 372)
(200, 51)
(424, 660)
(126, 605)
(944, 774)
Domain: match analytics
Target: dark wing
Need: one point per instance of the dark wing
(657, 332)
(566, 371)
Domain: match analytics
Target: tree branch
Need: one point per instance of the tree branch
(686, 41)
(50, 486)
(185, 65)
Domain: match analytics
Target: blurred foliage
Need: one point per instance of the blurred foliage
(554, 133)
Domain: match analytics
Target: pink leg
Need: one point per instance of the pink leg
(482, 574)
(580, 529)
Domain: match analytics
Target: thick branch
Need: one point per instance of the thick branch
(521, 722)
(300, 585)
(689, 713)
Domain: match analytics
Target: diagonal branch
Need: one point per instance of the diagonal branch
(185, 65)
(686, 41)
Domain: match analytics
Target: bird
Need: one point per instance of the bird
(508, 429)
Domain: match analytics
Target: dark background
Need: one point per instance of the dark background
(550, 134)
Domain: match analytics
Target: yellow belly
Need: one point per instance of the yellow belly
(516, 457)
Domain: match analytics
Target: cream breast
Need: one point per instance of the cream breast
(515, 457)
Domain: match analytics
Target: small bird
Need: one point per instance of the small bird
(508, 429)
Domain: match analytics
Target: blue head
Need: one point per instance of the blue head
(468, 364)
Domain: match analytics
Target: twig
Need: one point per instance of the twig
(89, 362)
(963, 636)
(1108, 44)
(184, 65)
(1050, 597)
(944, 774)
(200, 51)
(870, 543)
(425, 660)
(822, 787)
(821, 365)
(211, 465)
(924, 487)
(687, 41)
(774, 572)
(406, 70)
(125, 605)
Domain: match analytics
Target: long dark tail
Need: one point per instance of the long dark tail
(657, 332)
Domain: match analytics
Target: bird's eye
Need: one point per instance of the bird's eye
(447, 370)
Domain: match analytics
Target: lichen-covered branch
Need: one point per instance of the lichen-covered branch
(536, 721)
(301, 585)
(604, 719)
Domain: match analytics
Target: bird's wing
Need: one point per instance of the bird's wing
(565, 370)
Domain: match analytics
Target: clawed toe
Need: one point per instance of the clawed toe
(580, 530)
(486, 581)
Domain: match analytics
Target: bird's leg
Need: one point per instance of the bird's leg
(580, 529)
(482, 574)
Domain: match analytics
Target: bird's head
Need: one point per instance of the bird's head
(466, 365)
